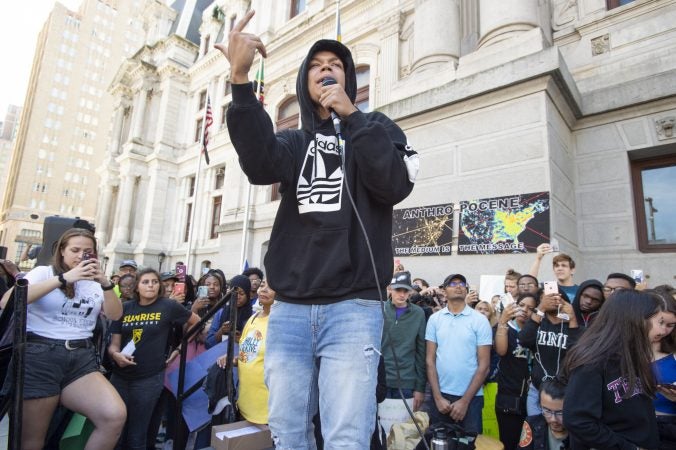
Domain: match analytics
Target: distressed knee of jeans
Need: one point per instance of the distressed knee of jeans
(369, 353)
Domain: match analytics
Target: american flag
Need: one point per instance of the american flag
(208, 120)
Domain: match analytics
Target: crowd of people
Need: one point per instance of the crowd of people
(580, 366)
(588, 366)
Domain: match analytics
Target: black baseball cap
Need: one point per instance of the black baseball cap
(454, 276)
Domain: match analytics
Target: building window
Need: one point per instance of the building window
(215, 217)
(188, 217)
(654, 183)
(203, 100)
(288, 114)
(363, 80)
(233, 21)
(198, 130)
(227, 87)
(207, 40)
(297, 7)
(224, 110)
(220, 178)
(615, 3)
(191, 186)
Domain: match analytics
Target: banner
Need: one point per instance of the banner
(422, 231)
(511, 224)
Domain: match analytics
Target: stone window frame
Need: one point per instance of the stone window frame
(285, 121)
(216, 207)
(636, 168)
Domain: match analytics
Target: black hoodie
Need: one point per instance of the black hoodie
(317, 252)
(585, 320)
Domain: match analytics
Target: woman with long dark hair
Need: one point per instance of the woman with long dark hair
(610, 379)
(663, 342)
(64, 301)
(139, 348)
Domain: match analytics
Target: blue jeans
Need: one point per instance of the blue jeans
(323, 356)
(394, 393)
(472, 422)
(533, 407)
(140, 397)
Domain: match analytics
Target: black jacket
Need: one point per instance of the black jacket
(534, 435)
(599, 412)
(317, 252)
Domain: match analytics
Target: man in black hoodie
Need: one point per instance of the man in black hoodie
(324, 333)
(588, 301)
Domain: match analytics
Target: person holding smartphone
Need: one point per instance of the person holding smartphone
(514, 365)
(610, 377)
(220, 326)
(663, 343)
(64, 302)
(549, 333)
(139, 347)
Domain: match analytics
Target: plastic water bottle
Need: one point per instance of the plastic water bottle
(439, 440)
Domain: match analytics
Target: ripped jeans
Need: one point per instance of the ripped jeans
(323, 356)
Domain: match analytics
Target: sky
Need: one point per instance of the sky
(20, 24)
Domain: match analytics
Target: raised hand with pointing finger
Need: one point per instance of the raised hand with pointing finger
(241, 50)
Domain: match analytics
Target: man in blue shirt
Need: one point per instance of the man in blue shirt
(458, 354)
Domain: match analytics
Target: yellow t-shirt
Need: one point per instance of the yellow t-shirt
(253, 394)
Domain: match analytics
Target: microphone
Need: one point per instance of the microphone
(328, 81)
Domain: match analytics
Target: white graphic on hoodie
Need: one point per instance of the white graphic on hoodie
(320, 184)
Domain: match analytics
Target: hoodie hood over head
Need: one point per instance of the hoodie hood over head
(308, 113)
(589, 284)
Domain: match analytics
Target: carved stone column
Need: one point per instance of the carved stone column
(121, 230)
(437, 33)
(139, 113)
(502, 19)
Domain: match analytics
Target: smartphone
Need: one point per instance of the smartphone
(472, 288)
(202, 292)
(179, 288)
(506, 299)
(551, 287)
(181, 271)
(87, 256)
(554, 244)
(638, 276)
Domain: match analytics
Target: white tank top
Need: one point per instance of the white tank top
(58, 317)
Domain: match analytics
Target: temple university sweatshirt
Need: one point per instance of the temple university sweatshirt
(600, 412)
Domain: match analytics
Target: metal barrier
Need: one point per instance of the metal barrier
(19, 303)
(187, 336)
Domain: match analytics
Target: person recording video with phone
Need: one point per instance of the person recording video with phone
(549, 333)
(64, 302)
(326, 329)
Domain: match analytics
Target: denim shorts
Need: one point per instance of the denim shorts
(50, 367)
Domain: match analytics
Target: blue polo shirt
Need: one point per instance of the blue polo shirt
(457, 337)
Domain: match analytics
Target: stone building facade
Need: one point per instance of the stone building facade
(499, 97)
(62, 135)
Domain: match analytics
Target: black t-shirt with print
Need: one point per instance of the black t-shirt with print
(150, 327)
(513, 371)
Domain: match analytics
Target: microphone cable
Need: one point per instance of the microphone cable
(341, 152)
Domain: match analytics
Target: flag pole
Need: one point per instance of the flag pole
(196, 191)
(247, 206)
(339, 34)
